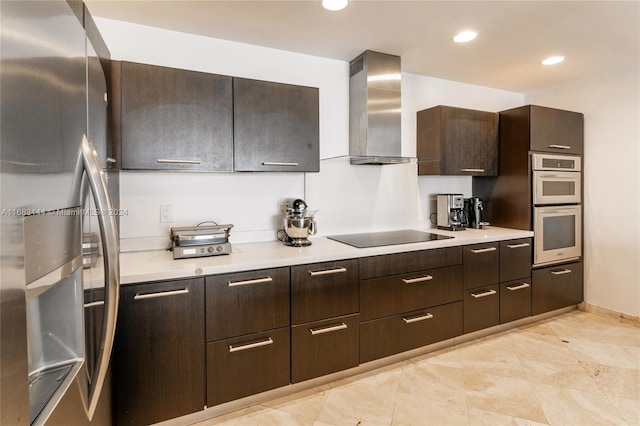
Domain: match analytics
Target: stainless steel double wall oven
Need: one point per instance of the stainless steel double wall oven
(557, 209)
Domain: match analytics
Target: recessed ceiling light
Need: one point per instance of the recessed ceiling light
(465, 36)
(552, 60)
(335, 4)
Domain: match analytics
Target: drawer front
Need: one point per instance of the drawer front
(481, 264)
(515, 300)
(481, 308)
(392, 335)
(387, 296)
(556, 287)
(515, 259)
(246, 366)
(323, 290)
(400, 263)
(324, 347)
(247, 302)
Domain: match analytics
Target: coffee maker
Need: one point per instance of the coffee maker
(474, 210)
(451, 214)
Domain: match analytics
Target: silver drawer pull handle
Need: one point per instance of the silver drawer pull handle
(249, 282)
(418, 318)
(515, 246)
(170, 161)
(328, 272)
(277, 163)
(328, 329)
(111, 160)
(92, 304)
(417, 280)
(484, 250)
(142, 296)
(472, 170)
(562, 272)
(560, 146)
(518, 287)
(238, 348)
(484, 294)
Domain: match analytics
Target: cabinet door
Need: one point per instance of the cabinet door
(247, 302)
(481, 308)
(555, 130)
(323, 290)
(324, 347)
(515, 259)
(159, 351)
(175, 119)
(463, 141)
(515, 300)
(556, 287)
(380, 297)
(391, 335)
(481, 265)
(276, 127)
(247, 365)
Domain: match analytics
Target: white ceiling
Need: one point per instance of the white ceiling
(514, 36)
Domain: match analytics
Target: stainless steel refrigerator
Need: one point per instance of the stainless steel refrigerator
(58, 242)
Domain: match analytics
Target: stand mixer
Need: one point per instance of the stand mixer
(298, 224)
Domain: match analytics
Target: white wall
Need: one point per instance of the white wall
(349, 198)
(611, 107)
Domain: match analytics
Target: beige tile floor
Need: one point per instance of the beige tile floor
(574, 369)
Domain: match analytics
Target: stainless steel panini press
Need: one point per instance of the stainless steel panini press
(200, 241)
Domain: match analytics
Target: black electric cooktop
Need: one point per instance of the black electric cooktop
(389, 238)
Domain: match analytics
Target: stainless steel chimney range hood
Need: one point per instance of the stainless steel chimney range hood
(374, 109)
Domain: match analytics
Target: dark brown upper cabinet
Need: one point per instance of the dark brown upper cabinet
(172, 119)
(457, 141)
(276, 127)
(543, 129)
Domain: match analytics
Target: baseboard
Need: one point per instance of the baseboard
(611, 314)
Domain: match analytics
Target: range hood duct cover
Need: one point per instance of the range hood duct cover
(374, 109)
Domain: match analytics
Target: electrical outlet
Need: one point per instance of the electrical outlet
(166, 213)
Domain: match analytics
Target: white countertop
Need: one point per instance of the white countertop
(156, 265)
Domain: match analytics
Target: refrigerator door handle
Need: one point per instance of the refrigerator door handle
(108, 231)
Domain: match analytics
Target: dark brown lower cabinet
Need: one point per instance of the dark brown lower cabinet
(159, 351)
(324, 347)
(515, 300)
(556, 287)
(323, 290)
(515, 259)
(481, 308)
(384, 296)
(481, 263)
(399, 333)
(247, 365)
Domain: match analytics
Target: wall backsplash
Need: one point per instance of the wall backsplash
(249, 201)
